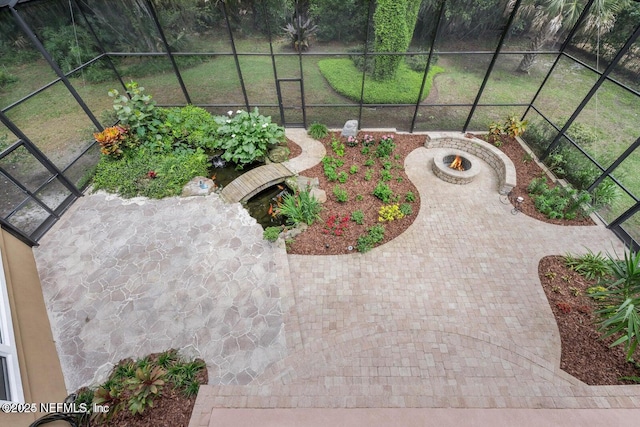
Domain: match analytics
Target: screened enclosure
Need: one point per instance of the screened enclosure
(573, 73)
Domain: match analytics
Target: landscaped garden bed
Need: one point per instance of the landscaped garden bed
(351, 172)
(575, 300)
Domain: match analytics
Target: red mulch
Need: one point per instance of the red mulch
(584, 354)
(315, 241)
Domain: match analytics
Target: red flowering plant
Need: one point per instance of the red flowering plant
(335, 226)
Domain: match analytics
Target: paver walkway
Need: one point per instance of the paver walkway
(448, 315)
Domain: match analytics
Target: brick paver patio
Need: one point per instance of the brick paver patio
(450, 314)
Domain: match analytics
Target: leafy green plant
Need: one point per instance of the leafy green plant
(365, 150)
(590, 265)
(341, 194)
(368, 174)
(353, 170)
(383, 192)
(387, 165)
(271, 234)
(337, 146)
(318, 130)
(357, 217)
(619, 313)
(385, 146)
(369, 162)
(184, 375)
(367, 241)
(302, 207)
(359, 197)
(410, 197)
(153, 176)
(537, 186)
(246, 137)
(604, 194)
(385, 175)
(137, 111)
(343, 177)
(146, 385)
(389, 213)
(406, 209)
(558, 202)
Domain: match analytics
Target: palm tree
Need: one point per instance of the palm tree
(548, 17)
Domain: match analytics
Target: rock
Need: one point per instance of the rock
(278, 154)
(350, 128)
(319, 194)
(290, 234)
(189, 353)
(198, 186)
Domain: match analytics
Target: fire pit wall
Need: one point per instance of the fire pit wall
(499, 162)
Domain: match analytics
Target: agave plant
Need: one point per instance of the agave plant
(300, 31)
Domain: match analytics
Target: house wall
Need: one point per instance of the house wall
(40, 370)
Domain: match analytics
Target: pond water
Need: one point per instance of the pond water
(263, 205)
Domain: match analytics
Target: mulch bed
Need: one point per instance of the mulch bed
(526, 171)
(584, 354)
(315, 241)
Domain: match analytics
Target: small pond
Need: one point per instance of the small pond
(263, 205)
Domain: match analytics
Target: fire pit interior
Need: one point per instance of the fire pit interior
(455, 166)
(457, 162)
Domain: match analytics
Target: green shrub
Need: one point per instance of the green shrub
(369, 162)
(559, 202)
(341, 194)
(318, 131)
(357, 217)
(153, 176)
(190, 127)
(246, 137)
(271, 234)
(385, 175)
(410, 197)
(383, 192)
(418, 62)
(345, 79)
(406, 209)
(590, 265)
(367, 241)
(385, 147)
(6, 78)
(343, 177)
(302, 207)
(353, 170)
(368, 174)
(337, 146)
(138, 111)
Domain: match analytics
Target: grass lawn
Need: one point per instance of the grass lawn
(60, 128)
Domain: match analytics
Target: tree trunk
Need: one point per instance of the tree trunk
(537, 43)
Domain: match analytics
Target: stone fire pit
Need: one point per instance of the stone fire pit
(444, 158)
